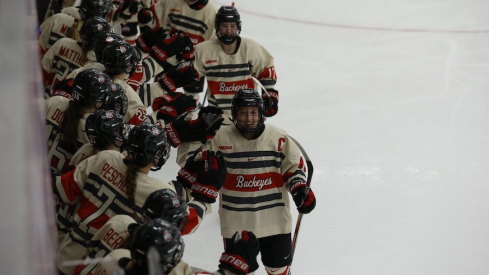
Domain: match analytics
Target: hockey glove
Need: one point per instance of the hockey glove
(212, 116)
(171, 46)
(148, 39)
(196, 87)
(187, 174)
(176, 77)
(240, 254)
(145, 16)
(181, 130)
(304, 198)
(176, 106)
(210, 177)
(270, 102)
(188, 52)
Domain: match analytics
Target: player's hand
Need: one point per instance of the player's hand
(173, 105)
(210, 177)
(304, 198)
(167, 48)
(212, 116)
(148, 39)
(182, 130)
(244, 249)
(270, 102)
(176, 77)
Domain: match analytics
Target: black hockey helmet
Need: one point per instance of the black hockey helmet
(227, 14)
(146, 143)
(91, 27)
(105, 127)
(116, 100)
(91, 86)
(120, 57)
(164, 237)
(89, 8)
(102, 39)
(166, 204)
(247, 98)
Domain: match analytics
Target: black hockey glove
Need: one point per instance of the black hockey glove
(173, 105)
(240, 254)
(145, 16)
(210, 177)
(212, 116)
(148, 39)
(169, 47)
(181, 130)
(188, 174)
(304, 198)
(196, 87)
(176, 77)
(270, 102)
(188, 52)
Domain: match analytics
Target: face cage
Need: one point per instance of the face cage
(162, 155)
(247, 131)
(168, 263)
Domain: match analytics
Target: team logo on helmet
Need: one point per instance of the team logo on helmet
(99, 27)
(109, 114)
(123, 49)
(175, 202)
(109, 39)
(101, 3)
(155, 131)
(101, 79)
(167, 236)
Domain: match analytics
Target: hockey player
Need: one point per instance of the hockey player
(230, 62)
(164, 204)
(66, 118)
(63, 25)
(68, 54)
(105, 131)
(108, 184)
(264, 166)
(238, 258)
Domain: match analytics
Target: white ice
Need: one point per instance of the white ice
(390, 100)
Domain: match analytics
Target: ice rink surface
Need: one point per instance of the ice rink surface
(391, 101)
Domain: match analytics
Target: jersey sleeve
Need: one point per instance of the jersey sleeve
(293, 167)
(196, 209)
(68, 188)
(263, 68)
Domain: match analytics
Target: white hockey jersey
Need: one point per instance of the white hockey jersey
(226, 74)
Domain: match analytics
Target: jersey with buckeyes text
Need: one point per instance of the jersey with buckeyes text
(255, 195)
(226, 74)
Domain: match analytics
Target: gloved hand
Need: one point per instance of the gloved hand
(210, 177)
(212, 116)
(182, 130)
(179, 76)
(244, 249)
(270, 102)
(304, 198)
(145, 16)
(188, 52)
(188, 174)
(196, 87)
(146, 40)
(169, 47)
(173, 105)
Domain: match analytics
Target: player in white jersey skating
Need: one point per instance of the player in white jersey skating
(230, 62)
(264, 167)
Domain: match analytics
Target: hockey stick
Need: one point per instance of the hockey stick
(310, 171)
